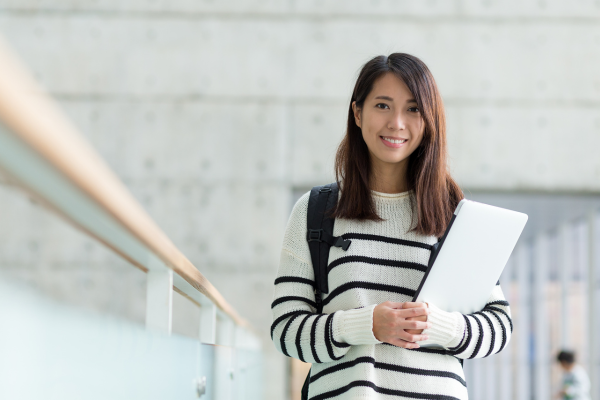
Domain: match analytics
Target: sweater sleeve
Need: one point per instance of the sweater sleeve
(475, 335)
(298, 330)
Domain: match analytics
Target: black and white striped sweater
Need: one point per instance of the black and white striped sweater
(384, 262)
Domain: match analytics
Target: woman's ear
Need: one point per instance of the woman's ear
(356, 112)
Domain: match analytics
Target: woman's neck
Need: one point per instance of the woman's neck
(388, 177)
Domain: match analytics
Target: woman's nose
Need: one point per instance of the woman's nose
(396, 122)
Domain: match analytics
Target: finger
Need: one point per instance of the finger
(411, 337)
(413, 312)
(421, 318)
(414, 331)
(410, 304)
(415, 325)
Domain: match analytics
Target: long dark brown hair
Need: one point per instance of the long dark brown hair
(436, 194)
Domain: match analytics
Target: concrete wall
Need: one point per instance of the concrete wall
(212, 112)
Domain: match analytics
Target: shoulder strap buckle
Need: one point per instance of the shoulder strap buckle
(314, 235)
(340, 242)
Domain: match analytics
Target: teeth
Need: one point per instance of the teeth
(395, 141)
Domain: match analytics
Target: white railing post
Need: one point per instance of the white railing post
(208, 323)
(593, 310)
(159, 297)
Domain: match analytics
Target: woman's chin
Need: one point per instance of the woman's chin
(391, 160)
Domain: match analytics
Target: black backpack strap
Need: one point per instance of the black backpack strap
(319, 233)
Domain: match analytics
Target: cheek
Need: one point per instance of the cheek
(420, 127)
(419, 140)
(370, 127)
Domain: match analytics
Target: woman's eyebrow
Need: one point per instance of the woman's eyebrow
(390, 99)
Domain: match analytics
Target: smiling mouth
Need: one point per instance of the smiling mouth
(394, 141)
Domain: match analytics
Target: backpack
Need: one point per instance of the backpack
(320, 238)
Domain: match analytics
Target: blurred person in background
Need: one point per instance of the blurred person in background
(575, 383)
(396, 200)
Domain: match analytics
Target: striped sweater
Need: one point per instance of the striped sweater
(384, 262)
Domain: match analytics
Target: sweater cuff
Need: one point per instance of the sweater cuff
(446, 328)
(355, 326)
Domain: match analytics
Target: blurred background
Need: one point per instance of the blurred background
(218, 116)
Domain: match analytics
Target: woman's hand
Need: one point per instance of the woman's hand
(421, 318)
(392, 320)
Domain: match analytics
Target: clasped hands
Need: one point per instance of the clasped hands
(401, 324)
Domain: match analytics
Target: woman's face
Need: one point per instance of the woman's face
(391, 123)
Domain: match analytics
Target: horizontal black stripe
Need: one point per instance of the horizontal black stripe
(498, 302)
(313, 338)
(453, 348)
(292, 298)
(335, 342)
(385, 239)
(328, 336)
(467, 342)
(402, 393)
(284, 332)
(491, 325)
(422, 349)
(296, 279)
(389, 367)
(376, 261)
(299, 337)
(284, 316)
(340, 344)
(501, 328)
(367, 285)
(432, 350)
(503, 312)
(479, 339)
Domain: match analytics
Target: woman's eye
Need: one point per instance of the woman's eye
(414, 109)
(383, 106)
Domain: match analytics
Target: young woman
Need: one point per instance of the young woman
(396, 198)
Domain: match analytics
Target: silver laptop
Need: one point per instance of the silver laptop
(470, 257)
